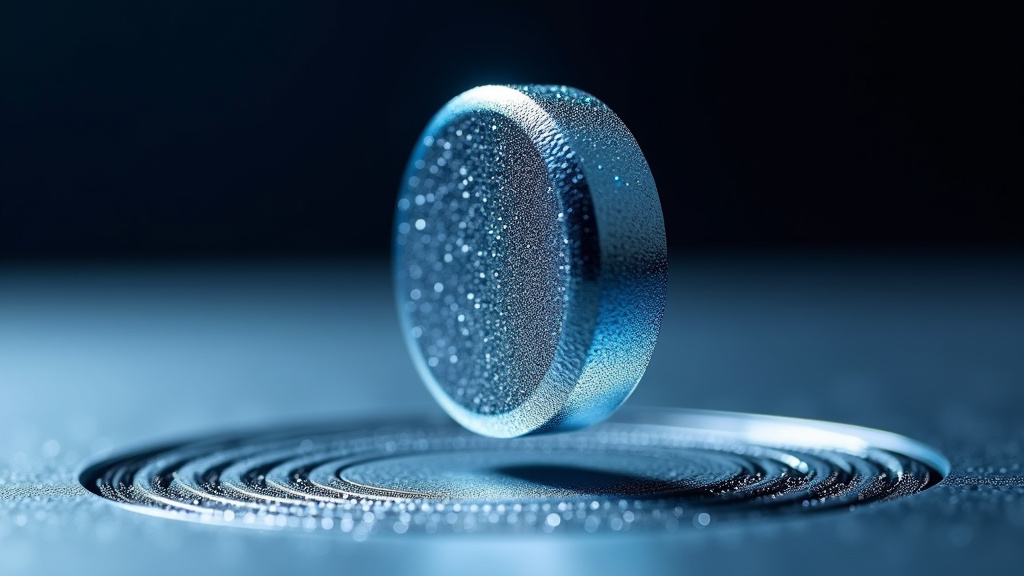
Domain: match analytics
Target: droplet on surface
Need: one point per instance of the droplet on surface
(641, 471)
(553, 277)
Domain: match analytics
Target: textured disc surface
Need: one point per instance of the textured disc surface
(530, 259)
(660, 470)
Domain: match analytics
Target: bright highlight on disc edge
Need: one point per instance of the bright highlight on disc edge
(530, 259)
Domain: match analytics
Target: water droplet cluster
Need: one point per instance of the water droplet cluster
(530, 259)
(414, 477)
(483, 260)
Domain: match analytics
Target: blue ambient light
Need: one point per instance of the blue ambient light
(530, 259)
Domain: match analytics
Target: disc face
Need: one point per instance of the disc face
(529, 259)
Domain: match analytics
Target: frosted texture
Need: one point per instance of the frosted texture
(530, 259)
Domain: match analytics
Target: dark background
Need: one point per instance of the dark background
(272, 136)
(280, 130)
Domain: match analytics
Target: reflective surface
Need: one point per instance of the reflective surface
(655, 471)
(530, 259)
(97, 362)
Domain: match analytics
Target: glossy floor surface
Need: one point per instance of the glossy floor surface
(101, 359)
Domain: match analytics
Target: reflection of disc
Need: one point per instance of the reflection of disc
(648, 470)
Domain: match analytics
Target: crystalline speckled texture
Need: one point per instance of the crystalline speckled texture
(530, 259)
(486, 269)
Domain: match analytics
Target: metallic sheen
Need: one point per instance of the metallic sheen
(530, 259)
(647, 470)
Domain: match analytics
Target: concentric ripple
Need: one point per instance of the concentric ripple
(660, 470)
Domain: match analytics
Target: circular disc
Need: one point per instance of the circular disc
(530, 259)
